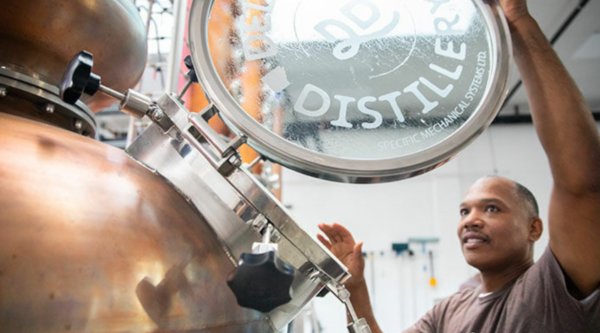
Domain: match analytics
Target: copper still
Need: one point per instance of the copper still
(94, 240)
(38, 38)
(175, 234)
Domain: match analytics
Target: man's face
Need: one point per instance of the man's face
(493, 229)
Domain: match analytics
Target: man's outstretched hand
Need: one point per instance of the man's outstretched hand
(341, 243)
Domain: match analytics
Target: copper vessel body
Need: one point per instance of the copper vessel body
(38, 38)
(92, 241)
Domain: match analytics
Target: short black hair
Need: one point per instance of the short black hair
(524, 195)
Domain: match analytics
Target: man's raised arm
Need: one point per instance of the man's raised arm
(570, 138)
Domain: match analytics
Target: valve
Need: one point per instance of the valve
(262, 281)
(79, 79)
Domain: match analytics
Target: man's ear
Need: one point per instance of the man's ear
(536, 227)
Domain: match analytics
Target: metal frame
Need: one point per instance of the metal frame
(342, 169)
(233, 202)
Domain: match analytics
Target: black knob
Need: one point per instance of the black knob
(192, 71)
(79, 79)
(262, 281)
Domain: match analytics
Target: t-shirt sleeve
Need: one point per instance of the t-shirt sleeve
(544, 282)
(425, 325)
(544, 289)
(546, 278)
(436, 319)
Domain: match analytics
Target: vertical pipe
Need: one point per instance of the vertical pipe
(149, 17)
(401, 289)
(414, 287)
(174, 63)
(372, 259)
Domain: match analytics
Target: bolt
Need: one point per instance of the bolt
(157, 114)
(235, 161)
(3, 91)
(275, 236)
(259, 223)
(50, 108)
(343, 293)
(78, 125)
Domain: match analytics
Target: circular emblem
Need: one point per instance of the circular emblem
(366, 80)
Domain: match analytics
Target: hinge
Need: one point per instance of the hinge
(222, 154)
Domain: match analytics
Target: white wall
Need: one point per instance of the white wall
(426, 206)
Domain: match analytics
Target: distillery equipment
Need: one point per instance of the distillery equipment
(175, 234)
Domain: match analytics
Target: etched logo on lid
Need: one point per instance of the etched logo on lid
(361, 79)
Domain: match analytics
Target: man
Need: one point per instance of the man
(499, 222)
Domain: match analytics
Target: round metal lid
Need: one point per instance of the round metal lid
(353, 90)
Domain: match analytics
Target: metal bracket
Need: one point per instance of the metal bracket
(194, 127)
(225, 156)
(356, 325)
(261, 224)
(359, 326)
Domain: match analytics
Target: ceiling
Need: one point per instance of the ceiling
(577, 43)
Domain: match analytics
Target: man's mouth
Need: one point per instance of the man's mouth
(473, 240)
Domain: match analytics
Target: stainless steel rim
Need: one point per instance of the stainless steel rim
(343, 169)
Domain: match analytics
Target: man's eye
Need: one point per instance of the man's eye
(464, 212)
(491, 209)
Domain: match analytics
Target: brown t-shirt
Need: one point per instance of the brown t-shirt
(538, 301)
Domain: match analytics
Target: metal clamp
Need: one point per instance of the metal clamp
(356, 325)
(261, 225)
(225, 156)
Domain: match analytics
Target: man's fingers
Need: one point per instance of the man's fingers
(331, 233)
(358, 251)
(324, 240)
(343, 233)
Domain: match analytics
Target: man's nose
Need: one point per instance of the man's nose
(473, 220)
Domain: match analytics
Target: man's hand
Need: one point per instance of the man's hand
(514, 9)
(341, 243)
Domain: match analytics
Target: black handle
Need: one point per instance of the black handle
(79, 79)
(191, 74)
(262, 281)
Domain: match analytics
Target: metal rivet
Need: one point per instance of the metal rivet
(3, 91)
(50, 108)
(78, 125)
